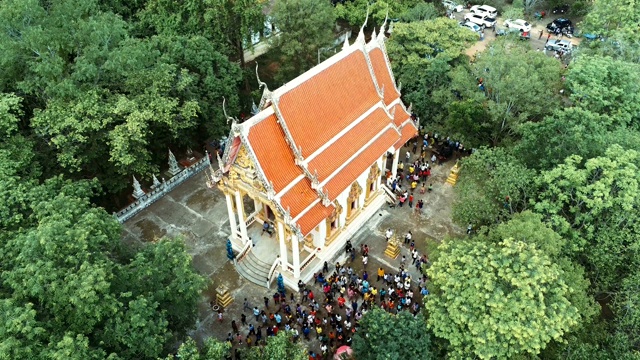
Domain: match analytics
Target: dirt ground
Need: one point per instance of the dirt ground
(535, 41)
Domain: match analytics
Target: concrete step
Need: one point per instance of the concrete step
(251, 257)
(252, 277)
(254, 269)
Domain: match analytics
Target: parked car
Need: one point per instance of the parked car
(522, 35)
(485, 10)
(452, 6)
(559, 45)
(560, 23)
(519, 24)
(482, 21)
(471, 26)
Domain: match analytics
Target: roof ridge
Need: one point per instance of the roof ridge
(297, 151)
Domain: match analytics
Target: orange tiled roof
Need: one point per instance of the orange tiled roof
(319, 108)
(383, 75)
(364, 160)
(408, 131)
(348, 144)
(299, 197)
(313, 217)
(274, 155)
(400, 115)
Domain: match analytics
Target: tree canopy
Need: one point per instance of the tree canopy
(498, 300)
(306, 28)
(387, 336)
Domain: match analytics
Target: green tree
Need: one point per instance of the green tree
(627, 307)
(354, 12)
(616, 22)
(591, 204)
(71, 290)
(498, 300)
(280, 346)
(229, 24)
(386, 336)
(98, 103)
(422, 55)
(493, 185)
(420, 12)
(568, 131)
(213, 350)
(520, 85)
(306, 26)
(607, 87)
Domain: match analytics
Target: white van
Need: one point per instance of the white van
(484, 10)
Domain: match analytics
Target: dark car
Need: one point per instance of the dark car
(560, 23)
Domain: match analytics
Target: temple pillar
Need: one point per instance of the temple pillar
(394, 167)
(283, 247)
(243, 224)
(296, 256)
(232, 216)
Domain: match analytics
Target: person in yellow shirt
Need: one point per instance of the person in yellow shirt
(367, 297)
(400, 167)
(374, 292)
(381, 272)
(414, 185)
(411, 169)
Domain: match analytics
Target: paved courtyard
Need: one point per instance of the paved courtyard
(199, 215)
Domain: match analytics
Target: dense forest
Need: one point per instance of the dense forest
(93, 92)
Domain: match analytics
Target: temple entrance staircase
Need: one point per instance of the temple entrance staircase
(389, 196)
(253, 269)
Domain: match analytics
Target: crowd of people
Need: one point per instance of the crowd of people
(414, 174)
(332, 313)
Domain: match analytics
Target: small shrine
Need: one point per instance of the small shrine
(303, 174)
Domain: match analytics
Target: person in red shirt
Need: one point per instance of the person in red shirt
(310, 295)
(275, 330)
(341, 302)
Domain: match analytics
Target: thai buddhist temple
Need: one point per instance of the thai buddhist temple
(311, 162)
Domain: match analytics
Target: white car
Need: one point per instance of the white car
(519, 24)
(452, 6)
(559, 45)
(471, 26)
(484, 10)
(482, 21)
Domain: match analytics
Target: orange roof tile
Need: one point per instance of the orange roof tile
(319, 108)
(400, 115)
(313, 217)
(348, 144)
(364, 160)
(383, 75)
(274, 154)
(408, 131)
(299, 197)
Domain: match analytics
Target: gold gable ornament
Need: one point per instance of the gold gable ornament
(243, 160)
